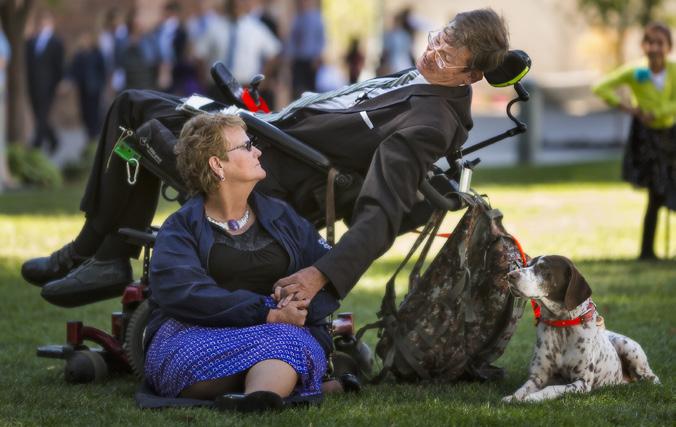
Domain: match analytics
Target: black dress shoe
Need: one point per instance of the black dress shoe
(91, 282)
(350, 383)
(258, 401)
(39, 271)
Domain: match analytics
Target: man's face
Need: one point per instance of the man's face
(444, 64)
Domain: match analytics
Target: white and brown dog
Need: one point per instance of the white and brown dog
(574, 353)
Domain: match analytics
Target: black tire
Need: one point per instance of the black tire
(343, 364)
(133, 339)
(352, 356)
(85, 366)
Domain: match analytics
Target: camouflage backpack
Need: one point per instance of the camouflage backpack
(458, 317)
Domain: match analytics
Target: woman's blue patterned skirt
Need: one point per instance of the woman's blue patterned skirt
(180, 354)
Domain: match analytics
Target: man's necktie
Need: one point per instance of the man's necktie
(367, 85)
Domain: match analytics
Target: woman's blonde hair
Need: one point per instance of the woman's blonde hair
(202, 137)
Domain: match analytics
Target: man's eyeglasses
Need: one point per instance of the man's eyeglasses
(435, 39)
(248, 145)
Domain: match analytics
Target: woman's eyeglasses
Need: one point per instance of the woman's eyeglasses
(248, 145)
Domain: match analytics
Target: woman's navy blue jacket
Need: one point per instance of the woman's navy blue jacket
(181, 287)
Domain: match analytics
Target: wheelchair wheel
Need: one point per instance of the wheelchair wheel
(343, 363)
(85, 366)
(133, 338)
(352, 356)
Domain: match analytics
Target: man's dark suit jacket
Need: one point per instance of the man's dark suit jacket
(44, 70)
(412, 128)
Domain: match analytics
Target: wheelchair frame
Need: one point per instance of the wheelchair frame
(122, 349)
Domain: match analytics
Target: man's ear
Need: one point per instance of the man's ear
(578, 289)
(476, 75)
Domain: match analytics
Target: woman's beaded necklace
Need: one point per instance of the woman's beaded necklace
(232, 224)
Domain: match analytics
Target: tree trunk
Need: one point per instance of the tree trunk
(14, 14)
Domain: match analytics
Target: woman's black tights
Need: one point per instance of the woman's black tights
(655, 201)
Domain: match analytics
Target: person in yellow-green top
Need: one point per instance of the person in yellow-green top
(650, 155)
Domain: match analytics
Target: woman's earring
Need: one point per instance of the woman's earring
(221, 177)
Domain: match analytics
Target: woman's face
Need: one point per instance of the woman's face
(656, 46)
(242, 165)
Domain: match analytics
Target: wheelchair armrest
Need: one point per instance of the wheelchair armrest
(138, 237)
(287, 143)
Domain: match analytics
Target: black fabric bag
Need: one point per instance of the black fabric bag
(156, 145)
(458, 317)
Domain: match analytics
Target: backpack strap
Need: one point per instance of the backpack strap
(414, 277)
(387, 316)
(388, 304)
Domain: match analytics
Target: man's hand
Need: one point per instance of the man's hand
(303, 285)
(293, 313)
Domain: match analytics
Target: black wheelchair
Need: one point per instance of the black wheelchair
(121, 350)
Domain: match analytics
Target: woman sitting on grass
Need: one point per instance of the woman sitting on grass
(214, 330)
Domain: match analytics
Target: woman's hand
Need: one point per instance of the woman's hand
(644, 117)
(293, 313)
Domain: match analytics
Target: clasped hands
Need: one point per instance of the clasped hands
(293, 295)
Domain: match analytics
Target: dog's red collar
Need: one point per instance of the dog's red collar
(564, 323)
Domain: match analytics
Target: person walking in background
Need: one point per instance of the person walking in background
(112, 38)
(139, 56)
(397, 51)
(88, 72)
(354, 59)
(106, 39)
(305, 46)
(5, 52)
(44, 68)
(650, 155)
(241, 41)
(167, 32)
(200, 22)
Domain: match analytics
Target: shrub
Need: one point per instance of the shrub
(31, 166)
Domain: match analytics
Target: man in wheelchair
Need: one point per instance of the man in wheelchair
(384, 133)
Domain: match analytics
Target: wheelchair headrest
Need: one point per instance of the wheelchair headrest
(515, 66)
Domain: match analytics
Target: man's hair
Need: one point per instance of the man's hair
(202, 137)
(660, 27)
(484, 33)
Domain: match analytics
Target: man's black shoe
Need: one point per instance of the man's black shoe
(91, 282)
(258, 401)
(39, 271)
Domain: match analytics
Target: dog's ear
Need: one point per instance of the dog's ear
(578, 289)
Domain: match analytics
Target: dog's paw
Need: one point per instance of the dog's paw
(509, 399)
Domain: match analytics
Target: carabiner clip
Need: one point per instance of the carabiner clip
(132, 180)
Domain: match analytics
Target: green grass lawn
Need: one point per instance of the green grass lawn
(580, 211)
